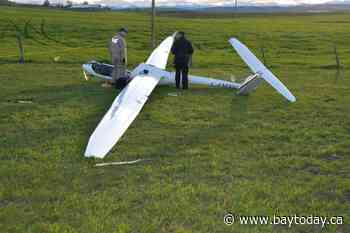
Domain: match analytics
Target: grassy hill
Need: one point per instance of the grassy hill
(211, 152)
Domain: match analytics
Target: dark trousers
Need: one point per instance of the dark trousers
(181, 72)
(121, 82)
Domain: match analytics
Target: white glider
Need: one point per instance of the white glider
(146, 76)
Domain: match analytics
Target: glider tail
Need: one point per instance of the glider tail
(249, 84)
(260, 72)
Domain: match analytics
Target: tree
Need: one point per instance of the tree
(69, 3)
(85, 3)
(46, 3)
(19, 37)
(4, 2)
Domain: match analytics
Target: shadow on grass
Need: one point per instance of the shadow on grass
(47, 61)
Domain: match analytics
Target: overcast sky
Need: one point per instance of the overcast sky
(199, 2)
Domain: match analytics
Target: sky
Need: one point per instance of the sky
(142, 3)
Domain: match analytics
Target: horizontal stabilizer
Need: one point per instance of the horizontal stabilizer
(257, 67)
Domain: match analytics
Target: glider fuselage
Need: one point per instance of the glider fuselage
(166, 77)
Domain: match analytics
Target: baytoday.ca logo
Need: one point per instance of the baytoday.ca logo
(307, 220)
(322, 221)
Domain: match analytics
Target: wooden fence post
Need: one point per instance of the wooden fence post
(20, 47)
(337, 61)
(42, 27)
(262, 50)
(26, 29)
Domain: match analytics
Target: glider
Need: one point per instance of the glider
(146, 76)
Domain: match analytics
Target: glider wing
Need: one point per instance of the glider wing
(127, 105)
(120, 115)
(159, 56)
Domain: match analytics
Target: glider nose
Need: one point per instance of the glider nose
(86, 67)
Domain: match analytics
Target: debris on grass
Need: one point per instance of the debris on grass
(56, 59)
(173, 94)
(313, 169)
(87, 78)
(21, 101)
(24, 101)
(333, 157)
(122, 162)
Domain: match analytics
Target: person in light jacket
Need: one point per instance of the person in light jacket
(118, 52)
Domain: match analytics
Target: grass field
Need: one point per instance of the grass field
(211, 151)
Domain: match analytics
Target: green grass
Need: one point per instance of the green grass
(211, 151)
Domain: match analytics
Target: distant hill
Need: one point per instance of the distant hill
(272, 9)
(330, 7)
(229, 7)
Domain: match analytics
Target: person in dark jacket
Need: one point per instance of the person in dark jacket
(182, 50)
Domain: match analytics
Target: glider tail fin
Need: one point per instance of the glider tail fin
(249, 84)
(260, 71)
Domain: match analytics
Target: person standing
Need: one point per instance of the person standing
(182, 50)
(118, 52)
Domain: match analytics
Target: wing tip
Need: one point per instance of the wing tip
(233, 40)
(93, 155)
(93, 152)
(292, 99)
